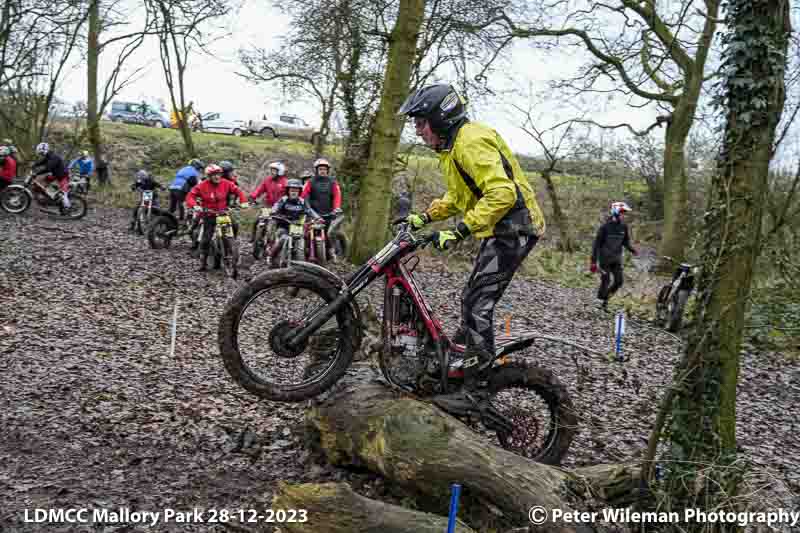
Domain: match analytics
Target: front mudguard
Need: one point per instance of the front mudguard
(336, 281)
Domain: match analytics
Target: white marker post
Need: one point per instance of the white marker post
(619, 331)
(174, 329)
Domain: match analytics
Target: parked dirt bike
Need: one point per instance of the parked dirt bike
(16, 199)
(165, 227)
(286, 248)
(673, 296)
(224, 247)
(322, 245)
(144, 213)
(262, 227)
(316, 242)
(291, 349)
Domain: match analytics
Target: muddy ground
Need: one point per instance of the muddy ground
(96, 412)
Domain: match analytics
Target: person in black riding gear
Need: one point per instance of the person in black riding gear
(324, 195)
(292, 208)
(607, 251)
(145, 182)
(486, 183)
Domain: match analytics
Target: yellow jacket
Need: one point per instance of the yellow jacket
(476, 149)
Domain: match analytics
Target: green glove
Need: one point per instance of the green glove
(442, 240)
(418, 221)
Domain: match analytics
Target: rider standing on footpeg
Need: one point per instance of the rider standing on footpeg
(486, 183)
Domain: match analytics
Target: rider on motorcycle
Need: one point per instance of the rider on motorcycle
(145, 182)
(291, 207)
(486, 183)
(8, 167)
(185, 179)
(213, 193)
(273, 187)
(50, 168)
(322, 192)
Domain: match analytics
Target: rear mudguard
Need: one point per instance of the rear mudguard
(336, 281)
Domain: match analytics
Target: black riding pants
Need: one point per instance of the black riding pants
(497, 261)
(606, 271)
(176, 199)
(209, 225)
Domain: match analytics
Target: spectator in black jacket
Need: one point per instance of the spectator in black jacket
(607, 251)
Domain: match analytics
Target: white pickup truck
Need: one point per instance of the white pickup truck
(288, 126)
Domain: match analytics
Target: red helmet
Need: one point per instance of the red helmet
(212, 170)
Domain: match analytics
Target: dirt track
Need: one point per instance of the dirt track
(96, 413)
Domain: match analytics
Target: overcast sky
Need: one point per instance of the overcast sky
(214, 86)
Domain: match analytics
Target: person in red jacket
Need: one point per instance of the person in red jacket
(8, 167)
(273, 188)
(212, 194)
(322, 192)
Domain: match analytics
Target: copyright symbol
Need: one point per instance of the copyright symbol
(537, 515)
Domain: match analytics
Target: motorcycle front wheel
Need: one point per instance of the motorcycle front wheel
(15, 199)
(258, 318)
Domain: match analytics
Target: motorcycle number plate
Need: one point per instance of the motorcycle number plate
(147, 196)
(223, 220)
(296, 229)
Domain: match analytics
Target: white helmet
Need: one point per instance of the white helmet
(618, 208)
(279, 167)
(42, 148)
(5, 151)
(321, 162)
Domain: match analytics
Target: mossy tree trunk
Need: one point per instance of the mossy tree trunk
(701, 461)
(92, 57)
(375, 192)
(335, 508)
(565, 242)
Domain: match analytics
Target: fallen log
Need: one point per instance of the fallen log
(335, 508)
(418, 446)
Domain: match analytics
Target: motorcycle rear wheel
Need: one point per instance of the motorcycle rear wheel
(156, 233)
(15, 199)
(552, 403)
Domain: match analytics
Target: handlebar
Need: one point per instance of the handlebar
(421, 240)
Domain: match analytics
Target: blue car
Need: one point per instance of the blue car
(130, 113)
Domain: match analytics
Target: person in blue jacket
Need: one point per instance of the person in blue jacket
(85, 166)
(185, 179)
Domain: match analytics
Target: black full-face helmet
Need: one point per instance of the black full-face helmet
(439, 104)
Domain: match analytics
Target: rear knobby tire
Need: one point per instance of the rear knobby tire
(564, 422)
(155, 236)
(676, 316)
(661, 306)
(15, 199)
(229, 346)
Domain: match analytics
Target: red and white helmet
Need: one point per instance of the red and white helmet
(279, 167)
(212, 170)
(618, 208)
(322, 162)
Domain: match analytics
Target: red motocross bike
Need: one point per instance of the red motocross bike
(291, 333)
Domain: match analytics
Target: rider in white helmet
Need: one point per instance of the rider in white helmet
(51, 169)
(607, 250)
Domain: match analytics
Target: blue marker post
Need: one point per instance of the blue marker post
(454, 496)
(619, 330)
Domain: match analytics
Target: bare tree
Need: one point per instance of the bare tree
(653, 54)
(105, 18)
(39, 38)
(180, 26)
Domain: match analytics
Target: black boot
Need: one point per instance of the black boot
(203, 261)
(474, 392)
(217, 262)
